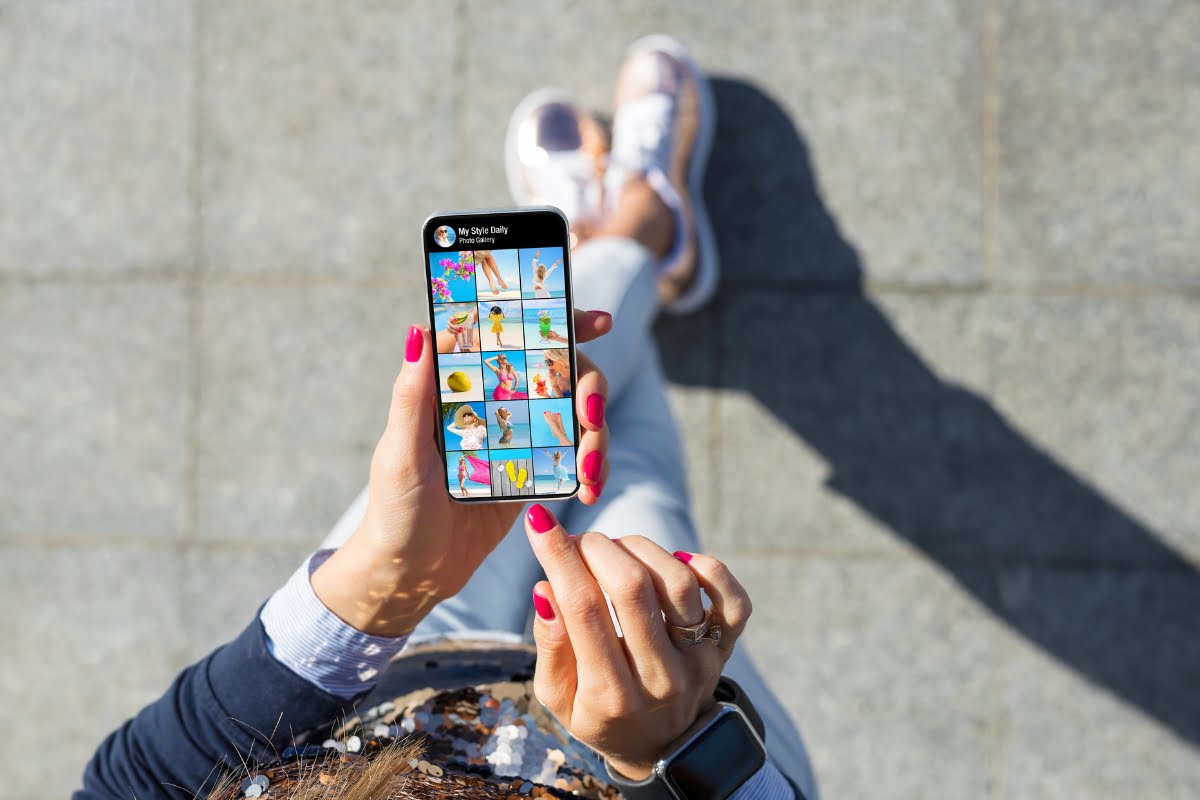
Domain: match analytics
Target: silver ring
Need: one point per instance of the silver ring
(704, 631)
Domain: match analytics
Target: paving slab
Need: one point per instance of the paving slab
(1110, 708)
(1098, 106)
(94, 409)
(893, 113)
(329, 134)
(885, 665)
(296, 383)
(97, 137)
(1009, 463)
(222, 589)
(91, 634)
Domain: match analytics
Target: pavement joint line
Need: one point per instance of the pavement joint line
(400, 280)
(989, 50)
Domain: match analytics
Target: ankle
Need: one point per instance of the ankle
(640, 214)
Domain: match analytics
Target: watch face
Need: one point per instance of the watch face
(716, 763)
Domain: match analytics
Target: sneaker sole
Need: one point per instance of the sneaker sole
(708, 266)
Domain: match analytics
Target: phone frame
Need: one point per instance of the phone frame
(496, 216)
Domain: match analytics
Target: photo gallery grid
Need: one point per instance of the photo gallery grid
(504, 371)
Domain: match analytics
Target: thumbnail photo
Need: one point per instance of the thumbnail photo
(503, 321)
(460, 377)
(545, 323)
(456, 327)
(542, 274)
(466, 426)
(504, 376)
(554, 470)
(467, 474)
(549, 372)
(512, 473)
(497, 275)
(452, 277)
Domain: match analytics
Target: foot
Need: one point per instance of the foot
(662, 129)
(554, 154)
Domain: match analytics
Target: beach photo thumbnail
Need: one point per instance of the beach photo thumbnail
(497, 275)
(552, 423)
(444, 236)
(543, 274)
(554, 470)
(508, 424)
(504, 376)
(545, 323)
(465, 425)
(549, 372)
(460, 377)
(456, 327)
(452, 277)
(500, 325)
(468, 474)
(512, 473)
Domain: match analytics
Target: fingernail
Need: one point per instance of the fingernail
(542, 606)
(596, 489)
(595, 312)
(595, 409)
(539, 518)
(414, 345)
(683, 556)
(591, 465)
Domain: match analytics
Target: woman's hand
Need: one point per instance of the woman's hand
(627, 697)
(416, 546)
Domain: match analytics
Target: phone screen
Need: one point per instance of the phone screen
(501, 308)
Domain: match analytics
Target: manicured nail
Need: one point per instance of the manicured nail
(542, 606)
(683, 556)
(414, 345)
(597, 489)
(539, 518)
(595, 409)
(591, 465)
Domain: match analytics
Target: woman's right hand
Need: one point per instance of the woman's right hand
(627, 697)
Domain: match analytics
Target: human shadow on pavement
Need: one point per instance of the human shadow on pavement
(1046, 553)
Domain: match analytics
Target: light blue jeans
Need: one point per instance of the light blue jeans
(646, 492)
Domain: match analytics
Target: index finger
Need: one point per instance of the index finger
(584, 610)
(591, 325)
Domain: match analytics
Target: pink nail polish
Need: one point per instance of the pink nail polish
(543, 608)
(539, 518)
(683, 556)
(597, 489)
(591, 465)
(414, 345)
(595, 409)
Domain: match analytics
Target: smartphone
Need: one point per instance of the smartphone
(501, 312)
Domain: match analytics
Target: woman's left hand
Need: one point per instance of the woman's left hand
(415, 546)
(632, 696)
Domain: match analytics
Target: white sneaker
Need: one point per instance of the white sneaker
(663, 129)
(555, 154)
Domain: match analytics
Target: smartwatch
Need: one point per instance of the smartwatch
(722, 750)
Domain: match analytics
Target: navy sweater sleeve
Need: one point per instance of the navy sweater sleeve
(238, 703)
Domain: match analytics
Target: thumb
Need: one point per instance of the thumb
(413, 391)
(402, 452)
(555, 677)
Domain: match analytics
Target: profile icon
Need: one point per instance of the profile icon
(444, 236)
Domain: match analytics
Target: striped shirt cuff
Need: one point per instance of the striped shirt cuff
(766, 784)
(311, 641)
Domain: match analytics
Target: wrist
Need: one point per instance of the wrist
(634, 771)
(371, 591)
